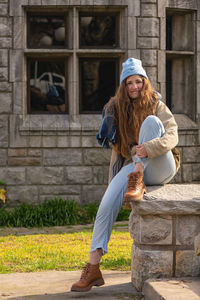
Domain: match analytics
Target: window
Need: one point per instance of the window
(180, 61)
(72, 60)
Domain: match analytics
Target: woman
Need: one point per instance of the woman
(141, 131)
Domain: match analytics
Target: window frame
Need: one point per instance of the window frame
(44, 58)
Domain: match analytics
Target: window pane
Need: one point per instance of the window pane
(98, 83)
(98, 31)
(47, 86)
(46, 31)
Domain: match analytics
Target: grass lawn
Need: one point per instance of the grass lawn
(63, 251)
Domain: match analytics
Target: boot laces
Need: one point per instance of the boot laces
(85, 271)
(133, 180)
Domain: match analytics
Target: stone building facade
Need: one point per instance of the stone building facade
(50, 149)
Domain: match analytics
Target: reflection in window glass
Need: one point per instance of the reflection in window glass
(47, 86)
(98, 83)
(46, 31)
(98, 30)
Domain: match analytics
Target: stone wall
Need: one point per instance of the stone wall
(42, 156)
(164, 226)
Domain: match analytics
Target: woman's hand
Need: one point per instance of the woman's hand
(141, 151)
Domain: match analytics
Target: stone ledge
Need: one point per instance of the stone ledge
(173, 199)
(172, 289)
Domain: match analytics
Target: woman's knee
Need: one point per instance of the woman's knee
(151, 128)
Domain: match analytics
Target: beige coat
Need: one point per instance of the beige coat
(158, 146)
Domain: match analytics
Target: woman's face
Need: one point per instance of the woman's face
(134, 85)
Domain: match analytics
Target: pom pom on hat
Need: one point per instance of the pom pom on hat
(132, 66)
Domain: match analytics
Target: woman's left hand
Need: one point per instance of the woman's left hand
(141, 151)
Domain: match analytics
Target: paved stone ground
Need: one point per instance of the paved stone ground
(53, 285)
(172, 289)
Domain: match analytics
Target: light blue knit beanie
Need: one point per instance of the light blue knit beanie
(132, 66)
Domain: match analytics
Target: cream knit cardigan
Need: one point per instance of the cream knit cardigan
(158, 146)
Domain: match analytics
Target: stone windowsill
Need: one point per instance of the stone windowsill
(79, 123)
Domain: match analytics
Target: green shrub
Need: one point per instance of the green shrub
(56, 212)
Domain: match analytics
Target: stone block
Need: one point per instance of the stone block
(187, 172)
(75, 198)
(17, 10)
(60, 189)
(49, 141)
(3, 9)
(60, 2)
(6, 102)
(187, 263)
(62, 157)
(96, 156)
(18, 97)
(98, 175)
(18, 37)
(75, 141)
(16, 66)
(132, 33)
(195, 172)
(106, 172)
(152, 73)
(14, 175)
(151, 229)
(134, 8)
(24, 161)
(3, 157)
(5, 42)
(79, 175)
(187, 227)
(26, 193)
(92, 193)
(3, 74)
(38, 2)
(45, 175)
(17, 152)
(148, 1)
(88, 141)
(3, 58)
(5, 26)
(5, 86)
(148, 42)
(3, 131)
(35, 141)
(34, 152)
(191, 154)
(149, 10)
(197, 245)
(150, 264)
(50, 2)
(148, 27)
(63, 141)
(149, 57)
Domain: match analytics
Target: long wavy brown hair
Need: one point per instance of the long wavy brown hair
(129, 114)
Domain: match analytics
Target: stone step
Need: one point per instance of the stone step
(172, 289)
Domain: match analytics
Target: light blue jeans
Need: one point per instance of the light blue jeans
(157, 171)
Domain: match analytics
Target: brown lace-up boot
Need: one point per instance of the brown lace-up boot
(136, 187)
(91, 276)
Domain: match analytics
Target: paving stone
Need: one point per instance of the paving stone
(172, 289)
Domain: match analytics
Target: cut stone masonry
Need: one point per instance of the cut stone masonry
(164, 226)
